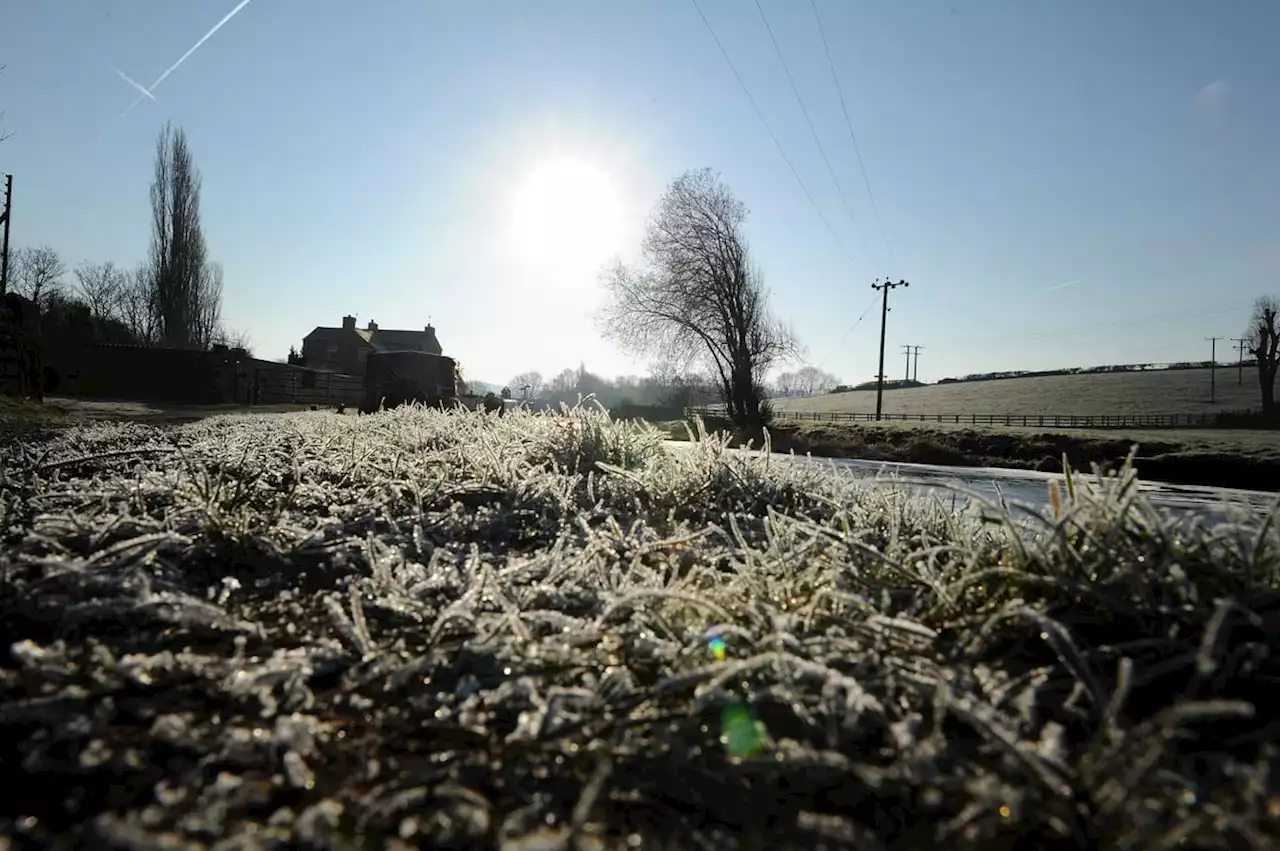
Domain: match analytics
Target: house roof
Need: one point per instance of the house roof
(384, 339)
(390, 339)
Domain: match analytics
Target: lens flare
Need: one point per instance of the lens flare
(742, 734)
(716, 643)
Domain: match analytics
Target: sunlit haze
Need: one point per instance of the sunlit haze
(567, 217)
(1062, 183)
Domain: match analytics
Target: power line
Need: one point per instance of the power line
(840, 342)
(795, 90)
(853, 137)
(989, 334)
(772, 135)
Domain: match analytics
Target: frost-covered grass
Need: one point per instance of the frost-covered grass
(427, 629)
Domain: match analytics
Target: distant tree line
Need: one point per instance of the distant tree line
(1083, 370)
(569, 385)
(669, 390)
(173, 298)
(889, 384)
(805, 381)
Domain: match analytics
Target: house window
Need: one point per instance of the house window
(331, 353)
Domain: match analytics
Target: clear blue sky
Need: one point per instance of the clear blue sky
(380, 159)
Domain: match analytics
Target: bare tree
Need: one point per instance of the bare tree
(686, 389)
(810, 381)
(232, 339)
(207, 306)
(460, 383)
(3, 135)
(563, 386)
(699, 302)
(177, 260)
(137, 306)
(102, 287)
(37, 274)
(531, 380)
(1263, 342)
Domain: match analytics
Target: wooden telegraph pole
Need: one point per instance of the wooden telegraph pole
(1240, 341)
(4, 219)
(884, 317)
(1213, 368)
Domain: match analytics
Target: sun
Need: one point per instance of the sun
(567, 215)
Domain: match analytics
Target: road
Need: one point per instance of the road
(1031, 488)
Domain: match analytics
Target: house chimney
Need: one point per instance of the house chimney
(373, 326)
(348, 323)
(430, 329)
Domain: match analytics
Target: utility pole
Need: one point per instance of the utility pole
(1240, 341)
(884, 317)
(915, 373)
(907, 349)
(4, 218)
(1213, 364)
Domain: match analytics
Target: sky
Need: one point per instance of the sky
(1061, 183)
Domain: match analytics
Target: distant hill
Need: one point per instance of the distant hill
(1155, 391)
(1080, 370)
(892, 384)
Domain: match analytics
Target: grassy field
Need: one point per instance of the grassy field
(28, 418)
(1215, 457)
(428, 629)
(1157, 392)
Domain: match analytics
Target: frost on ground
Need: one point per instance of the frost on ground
(448, 630)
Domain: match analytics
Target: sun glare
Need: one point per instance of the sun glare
(567, 215)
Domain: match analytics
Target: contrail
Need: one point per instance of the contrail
(122, 75)
(193, 49)
(1064, 285)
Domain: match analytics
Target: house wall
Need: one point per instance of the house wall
(270, 383)
(337, 351)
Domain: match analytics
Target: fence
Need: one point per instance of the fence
(1099, 421)
(195, 377)
(281, 384)
(181, 376)
(13, 349)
